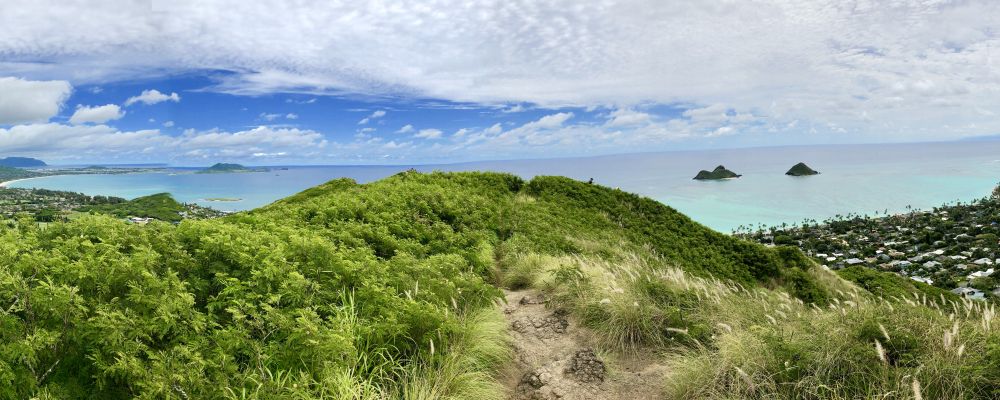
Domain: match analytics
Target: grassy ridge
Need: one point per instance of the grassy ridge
(386, 290)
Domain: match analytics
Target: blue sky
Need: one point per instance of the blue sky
(190, 83)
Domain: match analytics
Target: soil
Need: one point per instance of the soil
(556, 358)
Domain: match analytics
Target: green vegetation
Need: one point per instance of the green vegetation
(224, 168)
(949, 246)
(10, 173)
(47, 205)
(719, 172)
(161, 206)
(891, 285)
(388, 290)
(801, 169)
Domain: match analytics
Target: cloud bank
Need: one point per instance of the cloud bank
(886, 70)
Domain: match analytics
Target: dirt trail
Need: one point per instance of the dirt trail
(556, 359)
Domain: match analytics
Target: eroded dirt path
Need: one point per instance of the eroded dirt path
(556, 358)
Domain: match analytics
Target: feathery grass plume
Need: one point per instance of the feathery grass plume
(880, 352)
(885, 333)
(916, 389)
(746, 378)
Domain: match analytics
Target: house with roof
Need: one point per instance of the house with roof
(969, 293)
(980, 274)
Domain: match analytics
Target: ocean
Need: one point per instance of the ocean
(859, 179)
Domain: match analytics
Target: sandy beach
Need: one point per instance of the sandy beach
(6, 183)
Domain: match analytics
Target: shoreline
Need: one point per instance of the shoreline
(5, 184)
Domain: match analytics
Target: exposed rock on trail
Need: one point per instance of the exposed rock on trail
(556, 358)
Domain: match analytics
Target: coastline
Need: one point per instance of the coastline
(5, 184)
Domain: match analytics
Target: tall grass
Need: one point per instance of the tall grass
(861, 347)
(727, 341)
(468, 368)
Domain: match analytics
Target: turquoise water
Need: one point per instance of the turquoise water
(853, 179)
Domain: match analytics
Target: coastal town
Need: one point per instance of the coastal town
(954, 247)
(44, 206)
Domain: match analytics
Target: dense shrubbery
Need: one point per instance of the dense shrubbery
(890, 285)
(161, 206)
(306, 298)
(383, 290)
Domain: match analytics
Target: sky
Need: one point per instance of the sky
(409, 82)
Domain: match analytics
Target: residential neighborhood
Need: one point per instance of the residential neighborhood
(955, 247)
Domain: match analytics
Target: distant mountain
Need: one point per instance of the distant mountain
(719, 172)
(21, 162)
(222, 168)
(801, 169)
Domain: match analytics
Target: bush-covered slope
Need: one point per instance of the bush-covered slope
(11, 173)
(161, 206)
(382, 290)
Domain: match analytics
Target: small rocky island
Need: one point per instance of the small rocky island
(801, 169)
(224, 168)
(718, 173)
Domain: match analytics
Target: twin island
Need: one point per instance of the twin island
(721, 172)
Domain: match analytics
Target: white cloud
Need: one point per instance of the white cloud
(96, 114)
(24, 101)
(375, 115)
(273, 116)
(627, 117)
(722, 131)
(428, 134)
(910, 66)
(405, 129)
(392, 145)
(549, 121)
(269, 117)
(152, 96)
(95, 142)
(514, 109)
(495, 129)
(168, 124)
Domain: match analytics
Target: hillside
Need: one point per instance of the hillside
(160, 206)
(21, 162)
(224, 168)
(389, 290)
(11, 173)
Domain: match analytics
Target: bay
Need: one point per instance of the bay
(862, 179)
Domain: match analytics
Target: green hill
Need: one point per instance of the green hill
(224, 168)
(801, 169)
(388, 290)
(161, 206)
(719, 172)
(10, 173)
